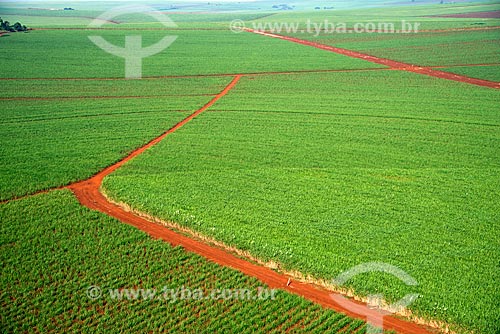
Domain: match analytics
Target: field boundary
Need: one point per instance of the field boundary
(396, 65)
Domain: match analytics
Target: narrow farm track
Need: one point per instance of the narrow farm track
(89, 195)
(39, 192)
(111, 97)
(395, 65)
(214, 75)
(218, 75)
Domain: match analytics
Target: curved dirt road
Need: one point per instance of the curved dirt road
(89, 195)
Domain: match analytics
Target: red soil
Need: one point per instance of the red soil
(383, 61)
(89, 195)
(494, 14)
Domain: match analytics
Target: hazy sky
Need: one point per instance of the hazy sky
(61, 1)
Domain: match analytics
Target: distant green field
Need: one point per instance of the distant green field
(491, 73)
(207, 14)
(422, 14)
(425, 48)
(47, 21)
(81, 19)
(49, 143)
(53, 250)
(226, 7)
(61, 54)
(321, 172)
(425, 10)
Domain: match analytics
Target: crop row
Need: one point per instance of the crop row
(53, 250)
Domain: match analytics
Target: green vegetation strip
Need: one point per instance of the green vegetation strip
(326, 171)
(52, 250)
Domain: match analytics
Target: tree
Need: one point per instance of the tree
(18, 26)
(5, 25)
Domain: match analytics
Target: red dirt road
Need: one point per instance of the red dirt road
(396, 65)
(89, 195)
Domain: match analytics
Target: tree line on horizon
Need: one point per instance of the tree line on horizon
(6, 26)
